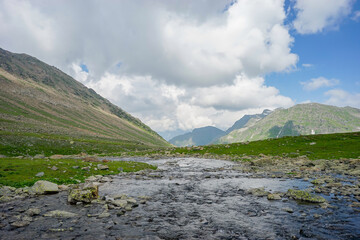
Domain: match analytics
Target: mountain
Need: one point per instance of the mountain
(40, 100)
(301, 119)
(248, 121)
(198, 137)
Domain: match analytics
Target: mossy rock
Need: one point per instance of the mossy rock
(305, 196)
(83, 193)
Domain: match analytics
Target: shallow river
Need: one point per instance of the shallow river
(199, 198)
(189, 199)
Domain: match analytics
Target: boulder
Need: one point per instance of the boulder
(85, 193)
(304, 196)
(45, 187)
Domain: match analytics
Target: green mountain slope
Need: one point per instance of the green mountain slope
(198, 137)
(302, 119)
(39, 101)
(248, 120)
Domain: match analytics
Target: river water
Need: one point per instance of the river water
(202, 198)
(188, 198)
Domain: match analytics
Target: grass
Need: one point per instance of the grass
(30, 144)
(21, 172)
(325, 146)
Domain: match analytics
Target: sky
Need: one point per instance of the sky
(180, 65)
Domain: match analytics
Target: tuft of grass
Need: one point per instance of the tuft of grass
(21, 172)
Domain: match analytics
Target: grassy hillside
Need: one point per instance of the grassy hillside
(323, 146)
(43, 110)
(302, 119)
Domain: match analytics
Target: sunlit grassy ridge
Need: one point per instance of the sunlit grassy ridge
(40, 106)
(301, 119)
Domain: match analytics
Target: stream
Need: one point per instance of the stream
(191, 198)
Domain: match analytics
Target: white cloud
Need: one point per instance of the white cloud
(341, 98)
(168, 107)
(244, 93)
(307, 65)
(316, 83)
(79, 74)
(173, 64)
(184, 43)
(356, 16)
(315, 15)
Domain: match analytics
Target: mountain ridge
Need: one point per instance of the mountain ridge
(38, 98)
(199, 136)
(301, 119)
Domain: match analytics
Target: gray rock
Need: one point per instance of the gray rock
(33, 211)
(45, 187)
(39, 174)
(54, 168)
(83, 193)
(91, 179)
(273, 196)
(19, 224)
(259, 192)
(75, 167)
(287, 209)
(120, 203)
(60, 214)
(104, 214)
(102, 167)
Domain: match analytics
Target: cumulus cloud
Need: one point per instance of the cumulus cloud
(190, 43)
(315, 15)
(167, 107)
(244, 93)
(174, 64)
(339, 97)
(316, 83)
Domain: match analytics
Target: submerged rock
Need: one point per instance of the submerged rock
(19, 224)
(45, 187)
(273, 196)
(60, 214)
(259, 192)
(304, 196)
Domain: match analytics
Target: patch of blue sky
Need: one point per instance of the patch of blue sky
(84, 68)
(332, 53)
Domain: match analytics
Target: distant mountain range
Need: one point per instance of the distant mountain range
(208, 135)
(199, 136)
(38, 98)
(301, 119)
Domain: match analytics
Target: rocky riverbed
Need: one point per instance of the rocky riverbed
(189, 198)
